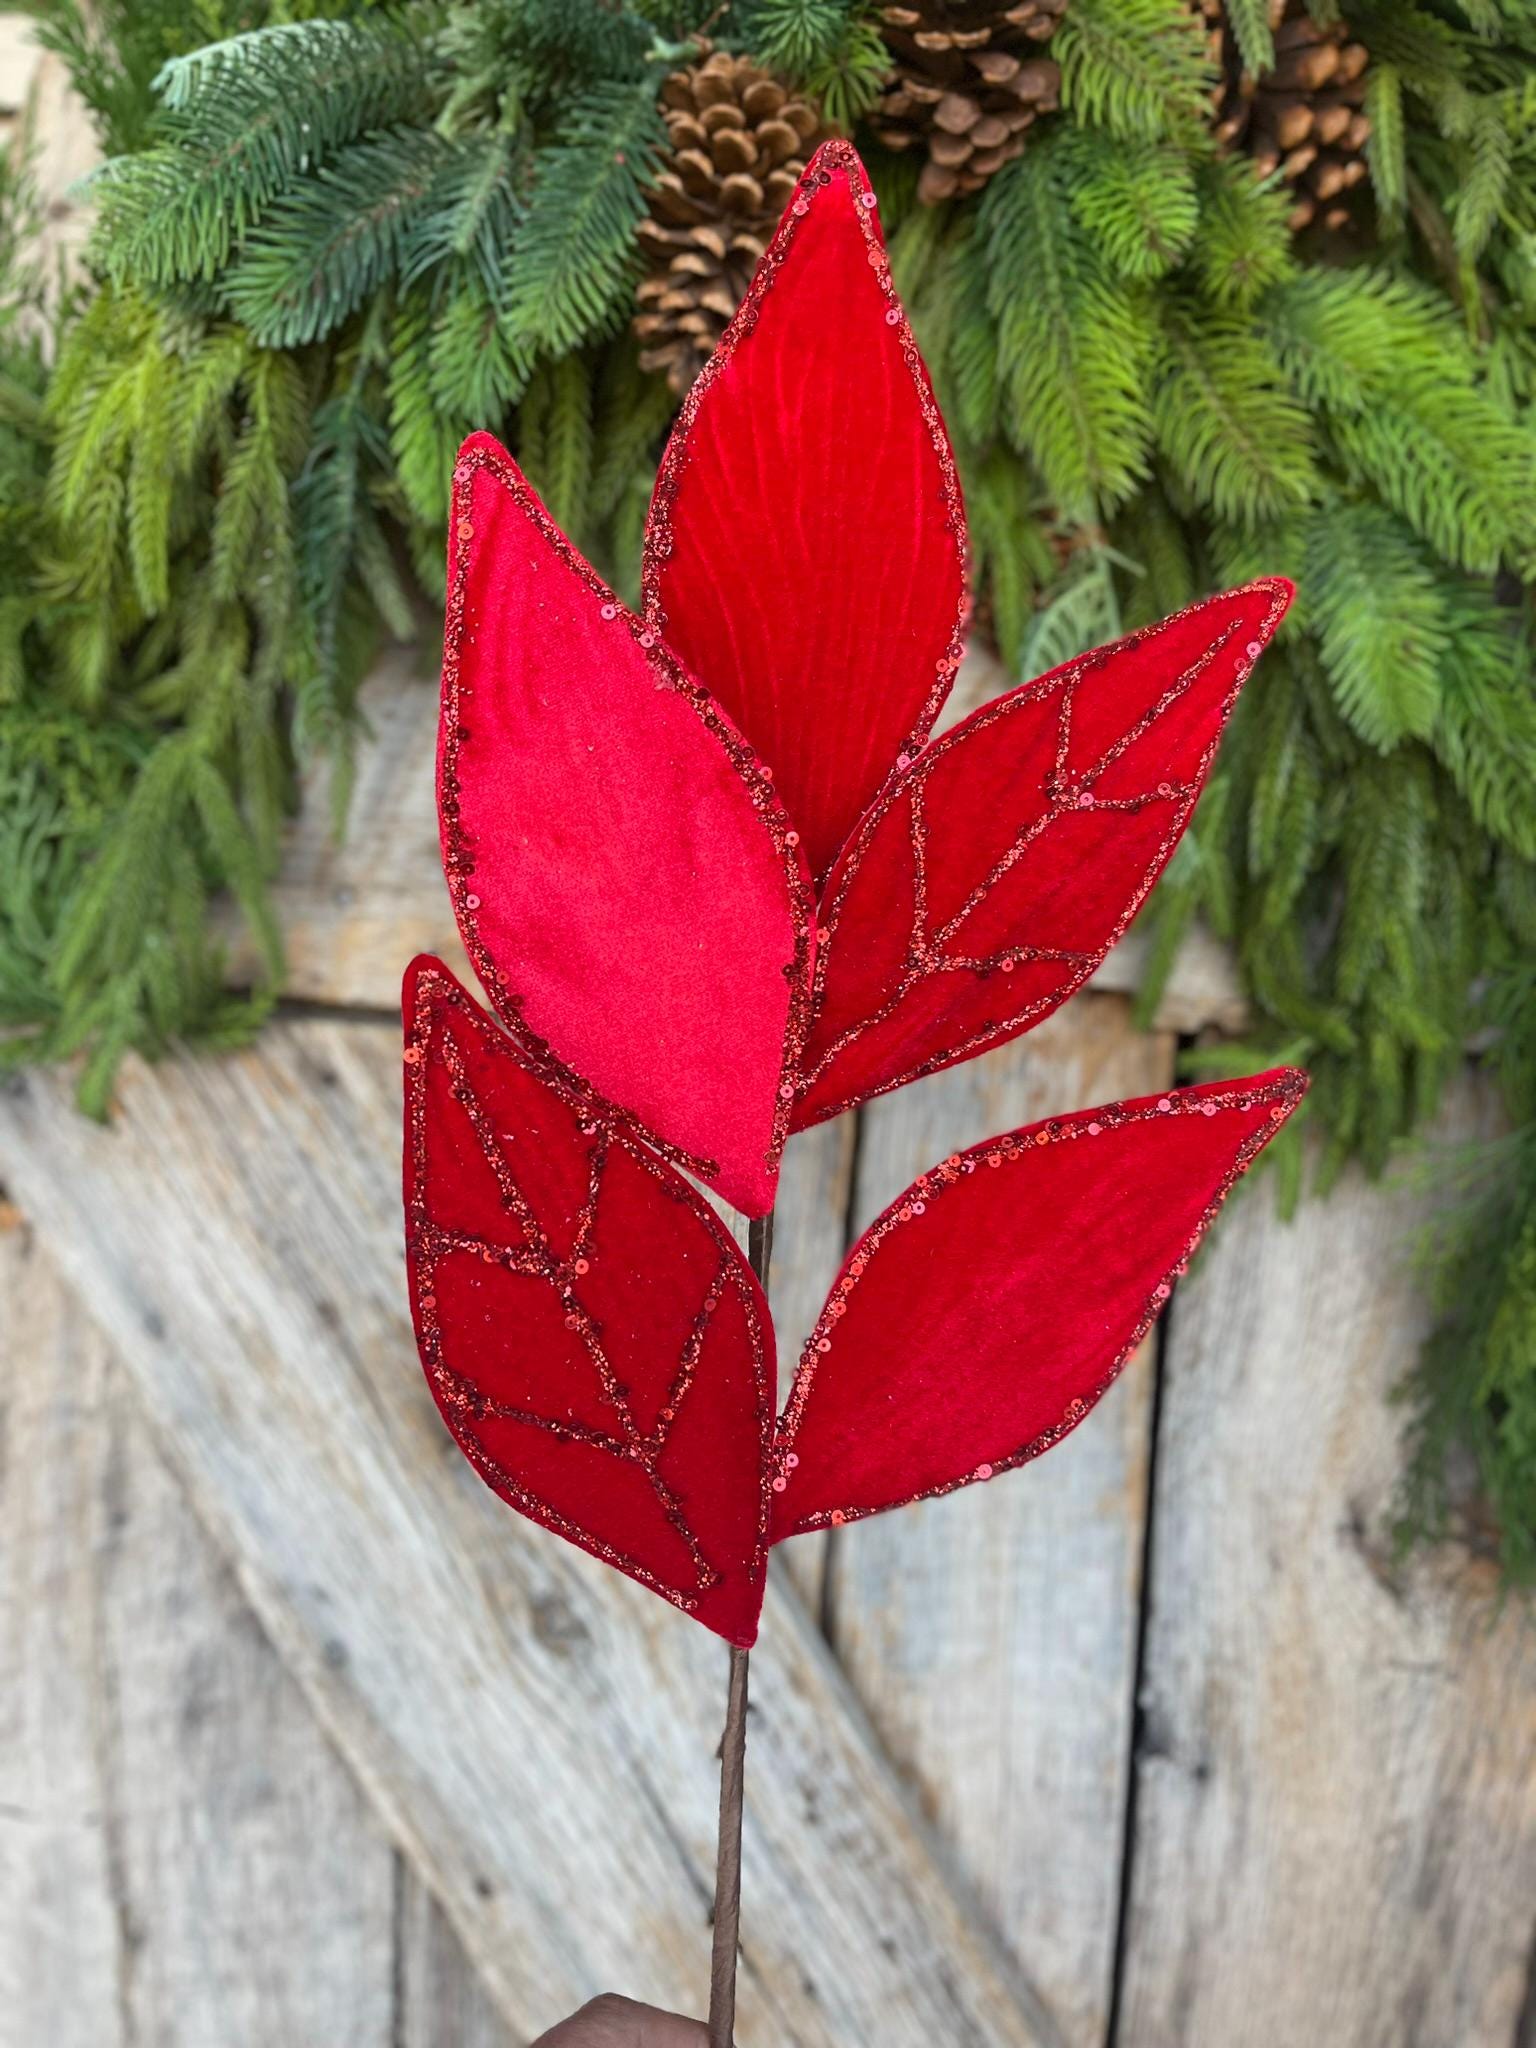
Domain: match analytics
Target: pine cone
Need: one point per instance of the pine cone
(968, 85)
(739, 142)
(1306, 117)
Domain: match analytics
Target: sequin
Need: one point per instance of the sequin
(609, 611)
(983, 1471)
(1095, 1130)
(472, 902)
(1165, 1104)
(1255, 649)
(428, 1241)
(791, 1461)
(893, 316)
(780, 1485)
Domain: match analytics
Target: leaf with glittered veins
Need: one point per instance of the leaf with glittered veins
(988, 881)
(595, 1342)
(629, 888)
(987, 1310)
(805, 554)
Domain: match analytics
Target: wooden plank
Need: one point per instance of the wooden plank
(992, 1634)
(183, 1858)
(355, 910)
(1336, 1812)
(538, 1733)
(442, 2003)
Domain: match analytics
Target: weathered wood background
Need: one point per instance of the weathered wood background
(305, 1742)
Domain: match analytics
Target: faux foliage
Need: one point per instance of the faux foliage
(332, 240)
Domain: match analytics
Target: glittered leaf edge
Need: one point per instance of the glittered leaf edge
(430, 989)
(1283, 1090)
(1060, 681)
(482, 451)
(832, 157)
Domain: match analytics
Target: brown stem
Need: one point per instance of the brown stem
(722, 1962)
(733, 1760)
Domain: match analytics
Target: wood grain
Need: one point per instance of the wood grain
(1336, 1802)
(355, 910)
(538, 1733)
(992, 1634)
(183, 1858)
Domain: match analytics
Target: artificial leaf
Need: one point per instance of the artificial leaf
(992, 1304)
(805, 555)
(990, 878)
(591, 1335)
(624, 876)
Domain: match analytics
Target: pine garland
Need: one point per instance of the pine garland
(333, 240)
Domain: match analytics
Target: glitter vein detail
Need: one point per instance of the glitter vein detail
(934, 951)
(465, 1406)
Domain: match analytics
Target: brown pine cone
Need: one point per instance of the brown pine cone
(739, 142)
(969, 82)
(1305, 118)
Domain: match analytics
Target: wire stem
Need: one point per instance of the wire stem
(733, 1760)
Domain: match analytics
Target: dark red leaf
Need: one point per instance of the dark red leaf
(991, 1305)
(593, 1338)
(627, 884)
(806, 548)
(988, 881)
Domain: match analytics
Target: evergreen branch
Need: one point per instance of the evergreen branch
(1379, 611)
(1225, 421)
(1135, 199)
(1075, 350)
(1136, 67)
(334, 238)
(576, 255)
(1386, 150)
(246, 118)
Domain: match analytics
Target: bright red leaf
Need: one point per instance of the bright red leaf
(627, 883)
(593, 1338)
(990, 1306)
(806, 550)
(988, 881)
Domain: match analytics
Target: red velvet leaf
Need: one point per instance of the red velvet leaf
(988, 881)
(991, 1305)
(806, 548)
(593, 1338)
(626, 881)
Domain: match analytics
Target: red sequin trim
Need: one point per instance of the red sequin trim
(1083, 1126)
(926, 955)
(669, 674)
(830, 158)
(426, 1242)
